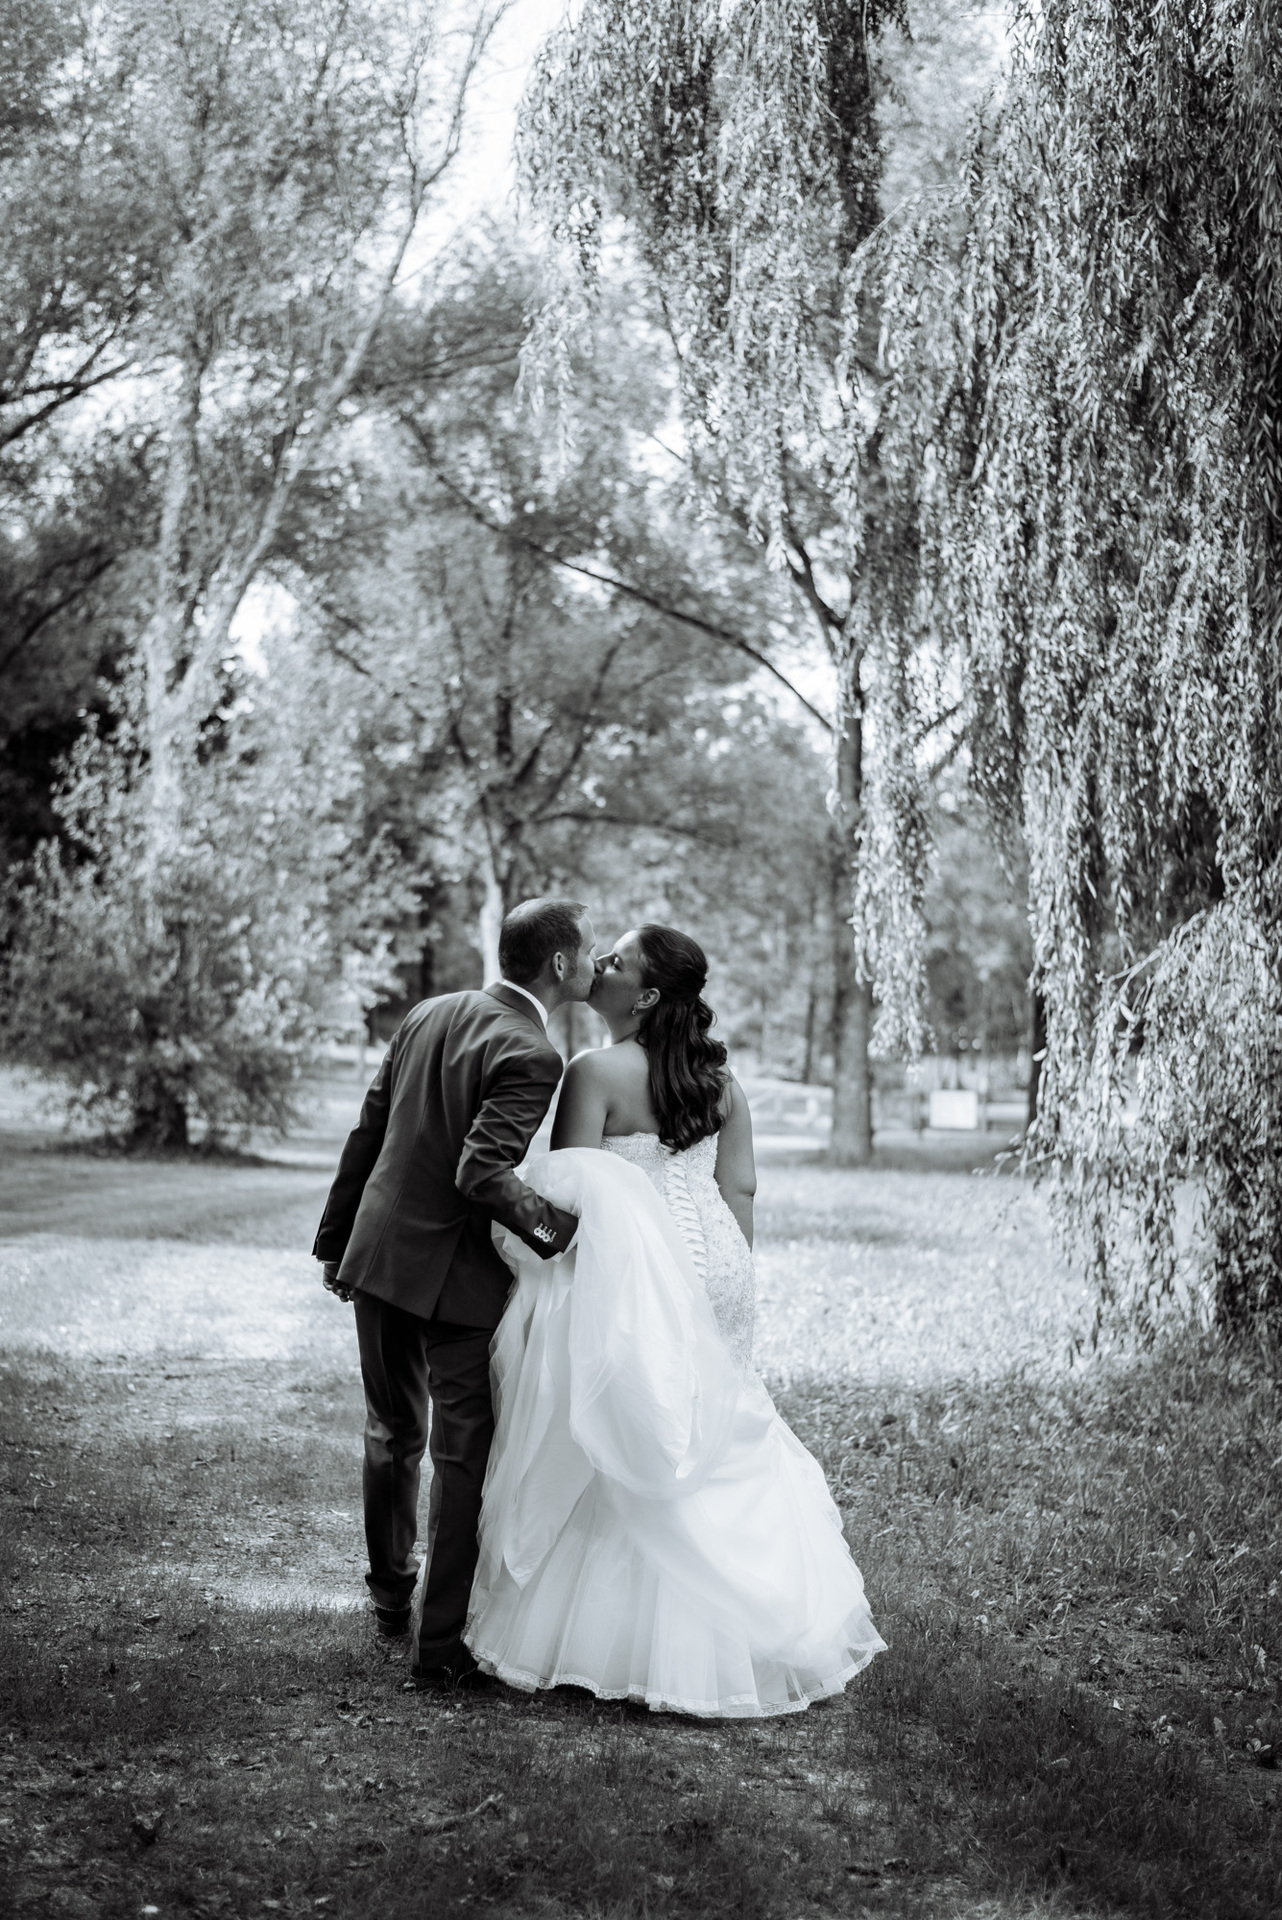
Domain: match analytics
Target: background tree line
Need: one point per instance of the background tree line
(319, 647)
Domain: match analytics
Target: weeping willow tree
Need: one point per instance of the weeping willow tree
(1101, 423)
(737, 148)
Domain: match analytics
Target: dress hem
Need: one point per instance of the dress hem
(739, 1707)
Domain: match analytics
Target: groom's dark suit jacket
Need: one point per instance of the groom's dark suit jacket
(430, 1163)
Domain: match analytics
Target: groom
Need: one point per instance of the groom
(406, 1235)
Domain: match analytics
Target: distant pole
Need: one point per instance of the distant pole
(808, 1064)
(1036, 1051)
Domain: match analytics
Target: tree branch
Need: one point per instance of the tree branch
(65, 392)
(803, 573)
(585, 723)
(941, 720)
(724, 635)
(716, 837)
(59, 606)
(946, 758)
(242, 573)
(358, 666)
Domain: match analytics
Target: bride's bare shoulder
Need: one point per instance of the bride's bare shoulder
(603, 1092)
(618, 1066)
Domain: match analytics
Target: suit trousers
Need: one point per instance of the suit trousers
(408, 1364)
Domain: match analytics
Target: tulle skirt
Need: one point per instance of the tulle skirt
(651, 1529)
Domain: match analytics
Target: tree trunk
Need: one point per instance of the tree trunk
(812, 1008)
(164, 635)
(1036, 1051)
(491, 919)
(159, 1117)
(851, 1143)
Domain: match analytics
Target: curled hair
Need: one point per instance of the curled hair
(687, 1070)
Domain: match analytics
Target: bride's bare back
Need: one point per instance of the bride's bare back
(606, 1095)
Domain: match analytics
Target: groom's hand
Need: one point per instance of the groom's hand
(329, 1275)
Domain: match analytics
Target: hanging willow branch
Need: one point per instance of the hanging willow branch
(1101, 382)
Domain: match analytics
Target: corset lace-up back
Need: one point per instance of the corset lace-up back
(687, 1183)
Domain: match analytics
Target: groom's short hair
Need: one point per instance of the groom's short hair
(533, 932)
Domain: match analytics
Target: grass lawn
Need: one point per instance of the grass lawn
(1077, 1568)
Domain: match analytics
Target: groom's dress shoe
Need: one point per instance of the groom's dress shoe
(450, 1679)
(393, 1622)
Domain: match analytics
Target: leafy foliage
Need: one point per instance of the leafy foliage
(1093, 380)
(83, 221)
(72, 577)
(978, 950)
(207, 205)
(739, 143)
(83, 246)
(200, 996)
(538, 711)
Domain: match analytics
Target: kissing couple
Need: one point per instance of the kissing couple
(615, 1503)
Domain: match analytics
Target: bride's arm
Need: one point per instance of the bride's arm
(583, 1105)
(736, 1170)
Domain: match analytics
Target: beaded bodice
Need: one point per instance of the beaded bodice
(686, 1181)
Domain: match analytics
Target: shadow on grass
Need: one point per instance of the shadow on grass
(276, 1760)
(1060, 1790)
(1074, 1572)
(163, 1746)
(63, 1188)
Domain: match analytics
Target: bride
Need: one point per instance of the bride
(651, 1529)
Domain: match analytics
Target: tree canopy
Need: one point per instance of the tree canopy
(545, 650)
(208, 209)
(740, 150)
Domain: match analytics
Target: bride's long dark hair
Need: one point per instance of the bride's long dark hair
(687, 1069)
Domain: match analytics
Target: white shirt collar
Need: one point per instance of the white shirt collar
(538, 1005)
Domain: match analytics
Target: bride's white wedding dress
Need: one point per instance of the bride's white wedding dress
(651, 1528)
